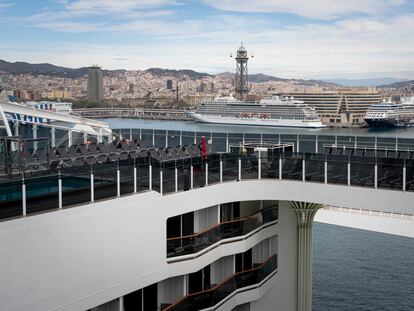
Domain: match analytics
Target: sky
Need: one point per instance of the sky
(288, 38)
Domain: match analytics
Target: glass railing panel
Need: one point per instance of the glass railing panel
(230, 167)
(347, 141)
(174, 138)
(405, 143)
(192, 244)
(184, 174)
(126, 172)
(155, 175)
(390, 173)
(362, 171)
(288, 139)
(105, 180)
(168, 177)
(213, 169)
(188, 138)
(307, 143)
(142, 165)
(136, 133)
(292, 166)
(160, 138)
(365, 142)
(249, 166)
(199, 169)
(325, 140)
(270, 165)
(337, 169)
(42, 193)
(76, 186)
(219, 142)
(213, 296)
(270, 139)
(235, 139)
(387, 143)
(315, 167)
(409, 185)
(10, 199)
(147, 135)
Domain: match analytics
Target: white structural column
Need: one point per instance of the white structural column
(305, 212)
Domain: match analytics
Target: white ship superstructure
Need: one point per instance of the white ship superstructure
(390, 114)
(274, 111)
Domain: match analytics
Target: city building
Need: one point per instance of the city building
(169, 84)
(95, 86)
(343, 107)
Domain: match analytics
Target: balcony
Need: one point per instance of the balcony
(221, 233)
(218, 294)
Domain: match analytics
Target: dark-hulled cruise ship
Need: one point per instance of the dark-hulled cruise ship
(391, 114)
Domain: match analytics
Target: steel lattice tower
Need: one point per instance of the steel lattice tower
(241, 82)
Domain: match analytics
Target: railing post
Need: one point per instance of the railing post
(153, 138)
(316, 144)
(221, 170)
(297, 143)
(375, 176)
(195, 138)
(396, 144)
(404, 177)
(336, 140)
(375, 142)
(206, 182)
(303, 169)
(280, 167)
(191, 177)
(227, 142)
(130, 134)
(92, 188)
(166, 139)
(259, 166)
(356, 142)
(176, 178)
(261, 138)
(240, 175)
(60, 191)
(24, 212)
(161, 182)
(118, 182)
(243, 138)
(135, 179)
(349, 173)
(326, 172)
(150, 176)
(181, 138)
(140, 134)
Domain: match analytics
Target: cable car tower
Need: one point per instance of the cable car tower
(241, 80)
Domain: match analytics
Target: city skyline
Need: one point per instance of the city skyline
(293, 39)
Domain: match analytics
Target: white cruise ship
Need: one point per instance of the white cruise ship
(390, 114)
(274, 111)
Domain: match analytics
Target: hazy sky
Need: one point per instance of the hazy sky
(289, 38)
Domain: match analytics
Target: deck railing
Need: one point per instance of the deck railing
(53, 190)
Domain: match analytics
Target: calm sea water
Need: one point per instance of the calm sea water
(361, 270)
(352, 269)
(116, 123)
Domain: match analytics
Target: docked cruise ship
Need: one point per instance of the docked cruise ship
(274, 111)
(390, 114)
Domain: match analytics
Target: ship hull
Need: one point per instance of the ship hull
(255, 121)
(381, 122)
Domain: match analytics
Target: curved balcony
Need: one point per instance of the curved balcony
(222, 292)
(221, 233)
